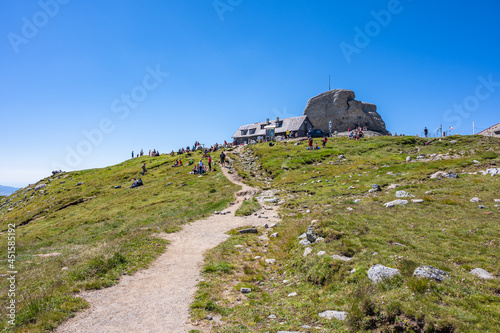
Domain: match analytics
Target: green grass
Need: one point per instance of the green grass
(445, 231)
(100, 232)
(248, 207)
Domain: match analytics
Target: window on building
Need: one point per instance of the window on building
(279, 124)
(252, 131)
(262, 126)
(243, 132)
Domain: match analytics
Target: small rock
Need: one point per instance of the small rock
(248, 231)
(292, 294)
(481, 273)
(379, 272)
(341, 157)
(270, 261)
(351, 188)
(395, 202)
(117, 186)
(305, 242)
(350, 209)
(320, 253)
(245, 290)
(476, 161)
(304, 235)
(238, 246)
(430, 273)
(340, 257)
(208, 317)
(79, 183)
(452, 175)
(393, 187)
(408, 159)
(475, 199)
(64, 268)
(481, 207)
(352, 271)
(271, 317)
(257, 257)
(307, 251)
(417, 200)
(376, 188)
(271, 200)
(403, 194)
(440, 174)
(496, 200)
(274, 235)
(308, 211)
(329, 314)
(168, 184)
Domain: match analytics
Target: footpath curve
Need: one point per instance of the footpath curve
(157, 299)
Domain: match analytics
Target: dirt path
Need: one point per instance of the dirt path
(157, 299)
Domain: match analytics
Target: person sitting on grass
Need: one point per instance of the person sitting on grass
(191, 162)
(316, 146)
(137, 182)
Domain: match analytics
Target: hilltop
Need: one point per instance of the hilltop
(78, 232)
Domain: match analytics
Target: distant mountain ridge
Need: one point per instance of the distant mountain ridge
(7, 190)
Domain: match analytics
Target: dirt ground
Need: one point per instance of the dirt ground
(157, 299)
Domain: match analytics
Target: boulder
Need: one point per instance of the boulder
(340, 257)
(403, 194)
(344, 112)
(379, 272)
(475, 199)
(481, 273)
(397, 202)
(307, 251)
(430, 273)
(376, 188)
(245, 290)
(329, 314)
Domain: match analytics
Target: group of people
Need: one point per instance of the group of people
(136, 182)
(153, 152)
(356, 133)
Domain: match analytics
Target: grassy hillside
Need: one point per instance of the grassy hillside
(93, 232)
(445, 231)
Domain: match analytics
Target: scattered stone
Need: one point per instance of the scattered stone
(350, 209)
(64, 269)
(430, 273)
(271, 317)
(379, 272)
(248, 231)
(452, 175)
(417, 200)
(168, 184)
(476, 161)
(274, 235)
(481, 207)
(329, 314)
(79, 183)
(475, 199)
(307, 251)
(492, 172)
(453, 141)
(319, 239)
(38, 187)
(320, 253)
(273, 225)
(305, 242)
(395, 202)
(238, 246)
(117, 186)
(271, 200)
(308, 211)
(257, 257)
(304, 235)
(209, 317)
(266, 226)
(245, 290)
(340, 257)
(376, 188)
(352, 271)
(481, 273)
(403, 194)
(292, 294)
(440, 174)
(351, 188)
(270, 261)
(392, 187)
(341, 157)
(408, 159)
(310, 235)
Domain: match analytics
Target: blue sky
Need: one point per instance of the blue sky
(83, 83)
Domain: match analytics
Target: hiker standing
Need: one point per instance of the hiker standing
(324, 141)
(209, 163)
(222, 159)
(426, 131)
(201, 167)
(132, 154)
(144, 169)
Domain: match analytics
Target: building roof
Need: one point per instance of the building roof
(288, 124)
(494, 127)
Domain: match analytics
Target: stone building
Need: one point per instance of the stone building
(246, 133)
(492, 131)
(340, 107)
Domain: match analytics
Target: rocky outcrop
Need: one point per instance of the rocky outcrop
(340, 107)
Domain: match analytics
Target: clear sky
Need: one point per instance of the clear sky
(83, 83)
